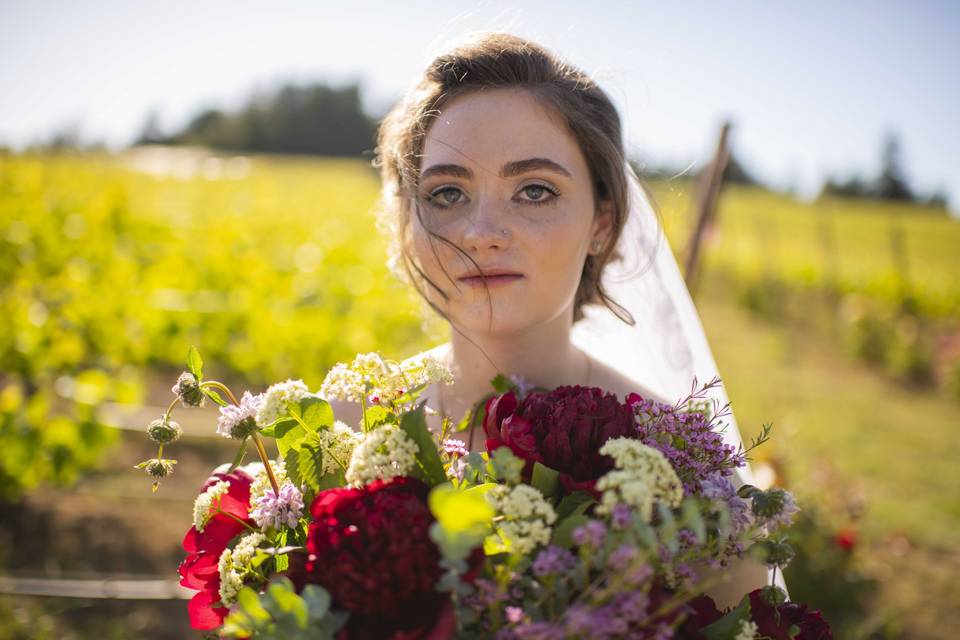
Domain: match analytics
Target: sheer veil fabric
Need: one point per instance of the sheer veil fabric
(667, 347)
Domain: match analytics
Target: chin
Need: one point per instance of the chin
(476, 319)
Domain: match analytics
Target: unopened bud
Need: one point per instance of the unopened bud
(157, 467)
(188, 390)
(164, 431)
(774, 553)
(767, 504)
(773, 595)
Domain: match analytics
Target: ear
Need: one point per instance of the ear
(602, 222)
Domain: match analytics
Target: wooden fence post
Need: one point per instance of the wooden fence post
(706, 195)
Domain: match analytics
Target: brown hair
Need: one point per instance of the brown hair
(499, 60)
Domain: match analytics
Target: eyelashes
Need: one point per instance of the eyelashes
(436, 198)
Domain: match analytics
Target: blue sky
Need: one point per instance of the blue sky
(811, 87)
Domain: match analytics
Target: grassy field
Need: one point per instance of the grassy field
(273, 268)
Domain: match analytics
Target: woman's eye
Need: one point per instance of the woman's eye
(446, 196)
(536, 192)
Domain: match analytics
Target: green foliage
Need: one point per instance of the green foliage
(272, 265)
(281, 614)
(429, 466)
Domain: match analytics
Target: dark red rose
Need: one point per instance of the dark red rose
(811, 624)
(199, 570)
(370, 548)
(567, 427)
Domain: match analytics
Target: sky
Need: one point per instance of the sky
(811, 88)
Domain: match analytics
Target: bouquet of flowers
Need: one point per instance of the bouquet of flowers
(587, 517)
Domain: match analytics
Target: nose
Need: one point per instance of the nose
(486, 227)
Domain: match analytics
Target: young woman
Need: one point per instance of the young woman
(506, 189)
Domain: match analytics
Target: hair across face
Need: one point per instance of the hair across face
(484, 109)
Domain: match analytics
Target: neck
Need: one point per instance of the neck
(543, 356)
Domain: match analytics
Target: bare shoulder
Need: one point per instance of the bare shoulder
(609, 379)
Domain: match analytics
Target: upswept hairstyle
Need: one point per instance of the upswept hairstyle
(500, 60)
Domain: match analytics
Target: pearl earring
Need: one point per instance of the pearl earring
(595, 245)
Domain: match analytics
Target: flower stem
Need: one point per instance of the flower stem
(266, 462)
(222, 387)
(230, 515)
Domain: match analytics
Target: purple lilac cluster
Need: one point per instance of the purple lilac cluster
(687, 439)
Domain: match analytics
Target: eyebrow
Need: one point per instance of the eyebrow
(509, 170)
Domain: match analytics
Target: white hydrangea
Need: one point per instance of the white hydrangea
(338, 444)
(203, 505)
(277, 399)
(527, 516)
(385, 452)
(747, 631)
(642, 477)
(342, 383)
(234, 565)
(381, 379)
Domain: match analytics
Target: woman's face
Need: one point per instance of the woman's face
(503, 179)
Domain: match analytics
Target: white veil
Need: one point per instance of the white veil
(667, 347)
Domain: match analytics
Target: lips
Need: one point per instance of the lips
(492, 275)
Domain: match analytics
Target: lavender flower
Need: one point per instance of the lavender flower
(591, 534)
(238, 422)
(276, 511)
(553, 560)
(687, 439)
(622, 517)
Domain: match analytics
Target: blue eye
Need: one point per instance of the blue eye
(443, 201)
(537, 191)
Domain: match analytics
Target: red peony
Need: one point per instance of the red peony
(199, 570)
(777, 622)
(563, 429)
(370, 548)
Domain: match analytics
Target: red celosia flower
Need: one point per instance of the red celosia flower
(370, 548)
(199, 569)
(563, 429)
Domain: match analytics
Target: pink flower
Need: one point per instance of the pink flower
(276, 511)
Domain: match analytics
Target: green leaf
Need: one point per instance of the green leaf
(289, 435)
(693, 519)
(430, 466)
(331, 481)
(310, 465)
(291, 461)
(213, 395)
(574, 504)
(238, 459)
(728, 626)
(288, 602)
(377, 415)
(317, 599)
(545, 479)
(501, 383)
(316, 412)
(563, 531)
(195, 362)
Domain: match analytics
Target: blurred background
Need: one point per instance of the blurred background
(199, 173)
